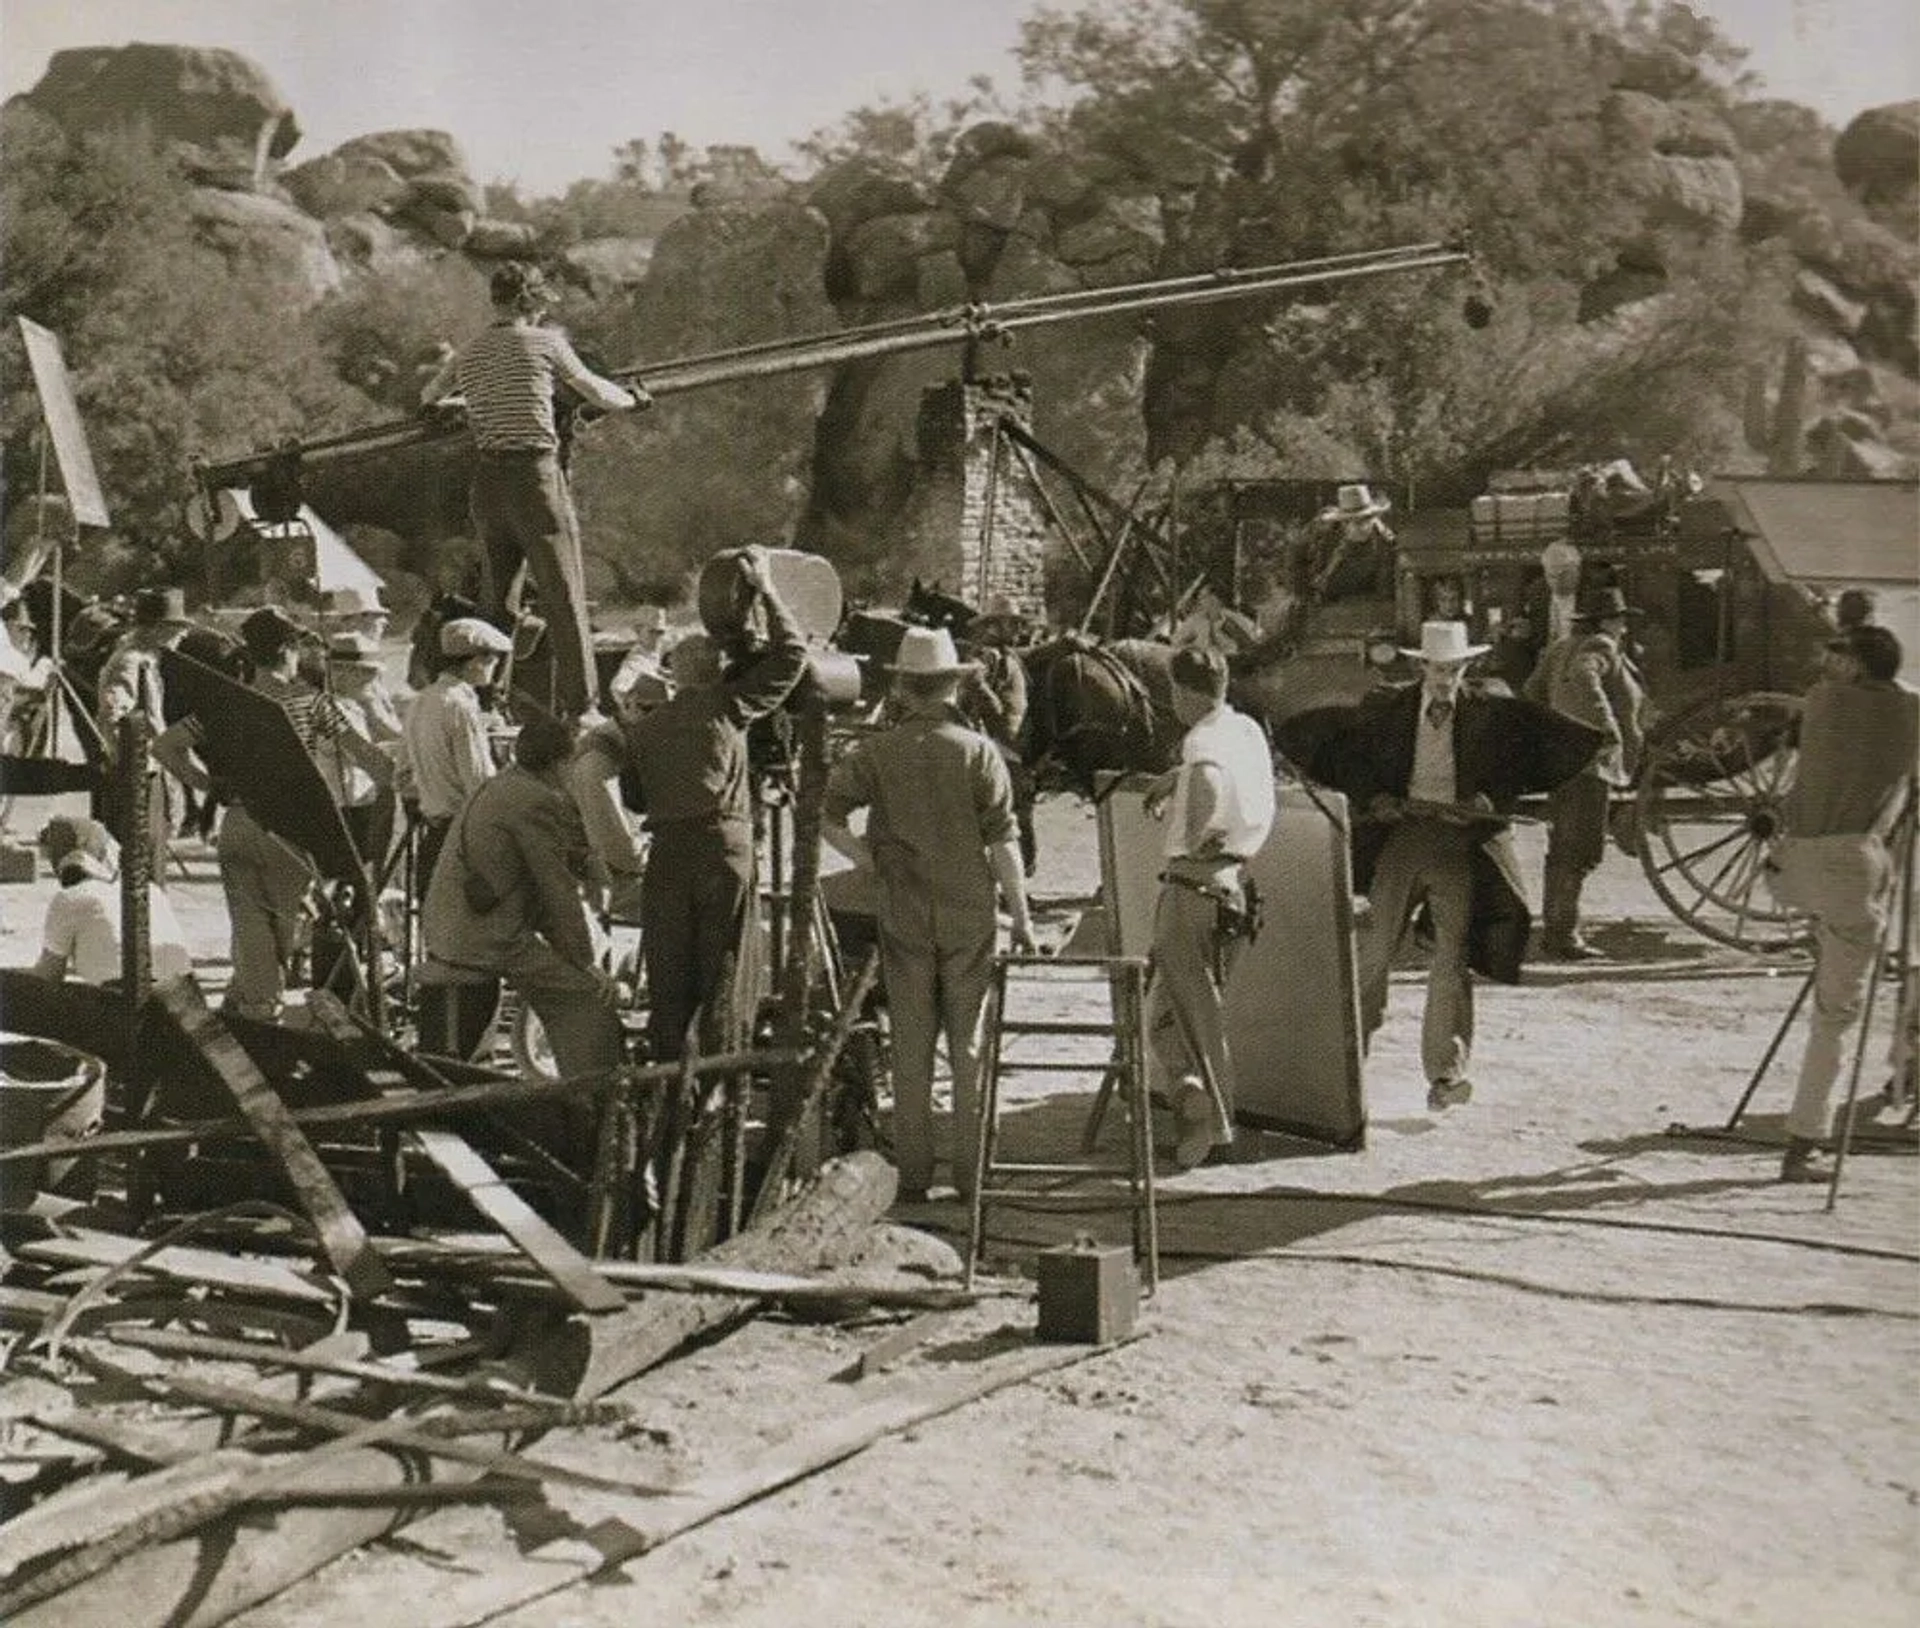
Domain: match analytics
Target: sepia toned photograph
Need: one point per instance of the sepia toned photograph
(959, 813)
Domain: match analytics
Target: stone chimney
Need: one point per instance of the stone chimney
(978, 524)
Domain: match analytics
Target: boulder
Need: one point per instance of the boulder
(990, 141)
(1024, 268)
(1878, 154)
(721, 466)
(450, 228)
(341, 183)
(501, 239)
(1703, 194)
(269, 235)
(373, 243)
(1125, 238)
(883, 254)
(1064, 185)
(451, 190)
(409, 152)
(941, 281)
(1639, 122)
(602, 264)
(215, 110)
(992, 192)
(861, 189)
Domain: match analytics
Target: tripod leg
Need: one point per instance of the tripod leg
(1773, 1049)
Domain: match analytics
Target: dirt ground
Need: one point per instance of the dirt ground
(1532, 1360)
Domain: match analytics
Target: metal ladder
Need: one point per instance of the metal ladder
(1123, 1071)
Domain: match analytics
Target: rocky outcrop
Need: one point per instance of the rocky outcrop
(1878, 155)
(1006, 221)
(268, 237)
(214, 110)
(724, 466)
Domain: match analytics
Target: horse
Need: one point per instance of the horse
(930, 605)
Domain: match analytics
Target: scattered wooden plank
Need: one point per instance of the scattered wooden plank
(413, 1438)
(406, 1255)
(202, 1579)
(884, 1352)
(403, 1107)
(191, 1510)
(180, 1343)
(114, 1436)
(342, 1238)
(558, 1260)
(181, 1263)
(504, 1582)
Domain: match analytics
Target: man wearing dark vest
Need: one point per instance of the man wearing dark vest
(522, 507)
(1587, 676)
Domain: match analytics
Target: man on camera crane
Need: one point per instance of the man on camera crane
(522, 506)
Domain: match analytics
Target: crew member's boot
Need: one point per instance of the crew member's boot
(1804, 1161)
(1560, 913)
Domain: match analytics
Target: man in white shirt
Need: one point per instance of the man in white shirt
(1218, 806)
(82, 938)
(448, 754)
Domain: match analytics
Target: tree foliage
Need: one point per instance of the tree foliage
(1279, 129)
(174, 351)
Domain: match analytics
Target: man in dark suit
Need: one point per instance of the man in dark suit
(1433, 770)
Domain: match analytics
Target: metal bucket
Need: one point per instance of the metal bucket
(48, 1092)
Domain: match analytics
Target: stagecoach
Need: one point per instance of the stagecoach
(1733, 581)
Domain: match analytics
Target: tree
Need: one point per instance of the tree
(1277, 129)
(175, 349)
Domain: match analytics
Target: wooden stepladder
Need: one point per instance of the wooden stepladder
(1022, 983)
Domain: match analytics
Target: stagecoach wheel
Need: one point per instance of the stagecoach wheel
(527, 1035)
(1711, 790)
(532, 1051)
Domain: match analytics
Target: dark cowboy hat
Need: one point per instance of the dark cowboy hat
(1600, 603)
(154, 607)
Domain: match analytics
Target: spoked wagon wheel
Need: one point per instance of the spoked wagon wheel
(527, 1035)
(1711, 787)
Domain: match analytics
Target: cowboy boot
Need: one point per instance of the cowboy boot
(1560, 916)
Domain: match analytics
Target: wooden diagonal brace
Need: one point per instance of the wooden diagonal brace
(342, 1237)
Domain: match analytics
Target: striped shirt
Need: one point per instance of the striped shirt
(507, 373)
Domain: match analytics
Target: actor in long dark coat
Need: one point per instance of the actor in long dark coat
(1451, 851)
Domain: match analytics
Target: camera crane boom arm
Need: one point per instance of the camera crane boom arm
(273, 474)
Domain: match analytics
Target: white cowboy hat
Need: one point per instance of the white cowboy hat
(928, 652)
(1445, 644)
(1356, 502)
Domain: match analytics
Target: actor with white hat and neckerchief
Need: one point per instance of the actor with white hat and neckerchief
(1437, 766)
(940, 842)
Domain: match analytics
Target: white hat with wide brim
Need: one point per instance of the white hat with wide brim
(928, 652)
(1356, 502)
(1445, 644)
